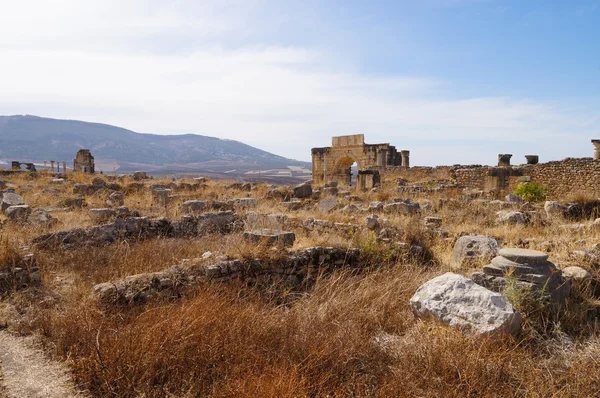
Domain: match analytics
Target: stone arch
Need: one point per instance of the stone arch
(343, 168)
(332, 163)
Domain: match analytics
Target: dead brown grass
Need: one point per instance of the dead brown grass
(351, 334)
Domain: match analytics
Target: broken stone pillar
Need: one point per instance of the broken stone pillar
(45, 165)
(52, 165)
(532, 159)
(504, 160)
(64, 166)
(405, 158)
(596, 149)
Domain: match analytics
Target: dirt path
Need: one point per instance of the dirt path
(26, 372)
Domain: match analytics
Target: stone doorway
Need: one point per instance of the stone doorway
(343, 171)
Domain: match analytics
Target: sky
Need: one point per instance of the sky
(453, 81)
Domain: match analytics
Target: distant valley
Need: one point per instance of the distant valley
(35, 139)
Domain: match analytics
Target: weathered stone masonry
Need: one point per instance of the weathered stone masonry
(299, 268)
(334, 163)
(562, 178)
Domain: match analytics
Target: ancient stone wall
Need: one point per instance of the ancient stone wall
(562, 178)
(420, 173)
(565, 177)
(141, 228)
(296, 269)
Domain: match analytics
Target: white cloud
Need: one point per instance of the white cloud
(89, 66)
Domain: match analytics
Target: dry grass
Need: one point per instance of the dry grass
(351, 334)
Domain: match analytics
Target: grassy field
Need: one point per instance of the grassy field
(351, 334)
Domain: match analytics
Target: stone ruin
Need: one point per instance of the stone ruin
(334, 163)
(84, 162)
(17, 165)
(295, 269)
(52, 162)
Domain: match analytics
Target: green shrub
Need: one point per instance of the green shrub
(531, 192)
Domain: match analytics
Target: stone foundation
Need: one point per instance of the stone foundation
(297, 269)
(141, 228)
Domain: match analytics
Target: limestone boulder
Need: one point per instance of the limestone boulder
(352, 208)
(73, 203)
(328, 204)
(473, 249)
(115, 199)
(458, 302)
(554, 209)
(193, 206)
(243, 203)
(303, 191)
(404, 207)
(98, 181)
(376, 206)
(511, 217)
(102, 215)
(576, 273)
(161, 196)
(372, 222)
(514, 199)
(41, 218)
(18, 213)
(11, 199)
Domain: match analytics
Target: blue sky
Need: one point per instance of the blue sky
(454, 81)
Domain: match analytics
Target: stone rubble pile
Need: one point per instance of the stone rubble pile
(530, 269)
(299, 268)
(141, 228)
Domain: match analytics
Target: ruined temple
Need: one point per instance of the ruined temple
(15, 165)
(84, 162)
(334, 163)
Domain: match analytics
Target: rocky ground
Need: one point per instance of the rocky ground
(142, 287)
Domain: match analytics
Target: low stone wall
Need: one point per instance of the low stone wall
(419, 173)
(294, 270)
(566, 177)
(254, 220)
(562, 178)
(141, 228)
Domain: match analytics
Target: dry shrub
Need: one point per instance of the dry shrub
(349, 335)
(220, 343)
(10, 255)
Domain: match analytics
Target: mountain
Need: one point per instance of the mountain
(33, 138)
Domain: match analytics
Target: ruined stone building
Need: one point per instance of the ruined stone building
(15, 165)
(84, 162)
(560, 178)
(334, 163)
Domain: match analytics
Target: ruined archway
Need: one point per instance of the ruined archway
(343, 170)
(333, 163)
